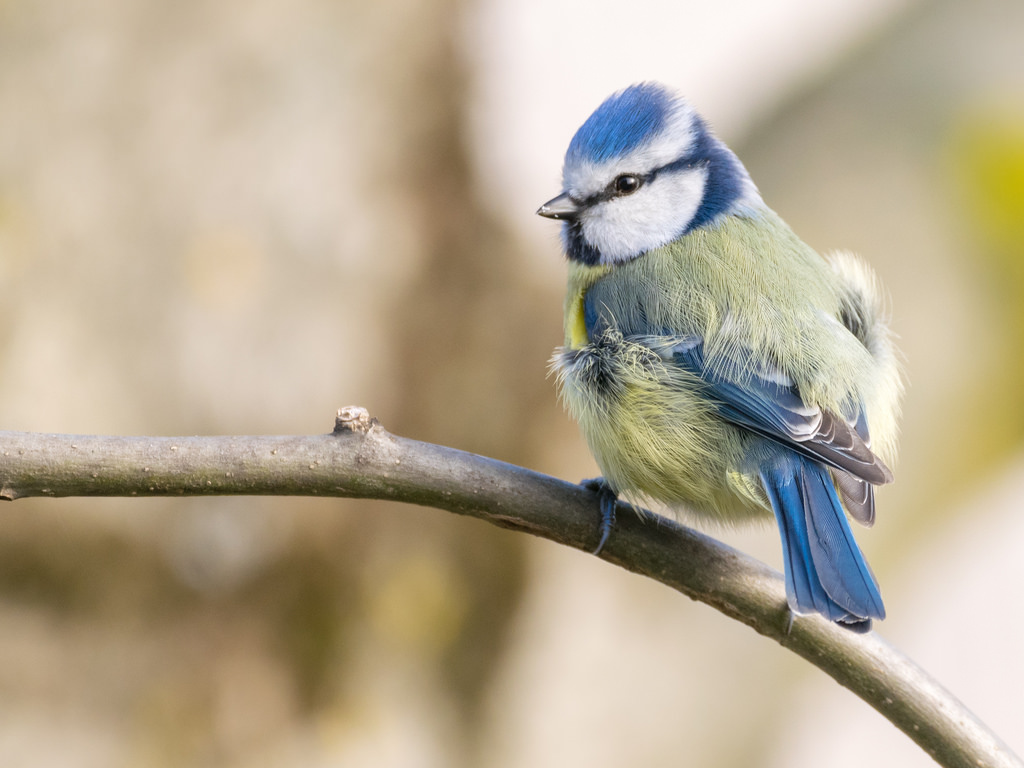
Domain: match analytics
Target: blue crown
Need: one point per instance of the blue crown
(625, 121)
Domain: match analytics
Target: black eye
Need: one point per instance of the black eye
(626, 184)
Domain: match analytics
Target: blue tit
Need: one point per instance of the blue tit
(715, 362)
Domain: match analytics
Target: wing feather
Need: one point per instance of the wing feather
(768, 403)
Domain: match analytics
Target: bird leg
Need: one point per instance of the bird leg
(607, 498)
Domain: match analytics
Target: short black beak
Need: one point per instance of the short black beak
(561, 207)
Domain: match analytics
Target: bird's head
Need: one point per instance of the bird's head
(643, 170)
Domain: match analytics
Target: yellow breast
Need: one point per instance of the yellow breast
(581, 278)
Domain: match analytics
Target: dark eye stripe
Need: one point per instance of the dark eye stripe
(611, 192)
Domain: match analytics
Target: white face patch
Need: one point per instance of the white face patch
(624, 227)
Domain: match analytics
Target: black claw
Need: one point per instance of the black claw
(607, 498)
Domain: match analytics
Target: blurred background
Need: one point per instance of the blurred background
(235, 217)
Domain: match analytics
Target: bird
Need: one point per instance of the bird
(715, 363)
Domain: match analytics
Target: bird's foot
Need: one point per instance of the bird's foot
(607, 498)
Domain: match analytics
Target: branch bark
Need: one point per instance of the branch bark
(360, 459)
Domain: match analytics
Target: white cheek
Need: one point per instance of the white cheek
(624, 227)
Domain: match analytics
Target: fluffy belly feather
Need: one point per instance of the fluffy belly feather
(654, 435)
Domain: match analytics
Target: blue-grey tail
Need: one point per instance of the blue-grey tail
(825, 570)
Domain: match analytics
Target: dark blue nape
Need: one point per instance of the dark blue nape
(726, 175)
(623, 122)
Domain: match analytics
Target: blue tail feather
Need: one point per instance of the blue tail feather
(825, 570)
(803, 587)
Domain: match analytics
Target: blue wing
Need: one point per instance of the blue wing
(768, 403)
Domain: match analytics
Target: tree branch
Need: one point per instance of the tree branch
(362, 460)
